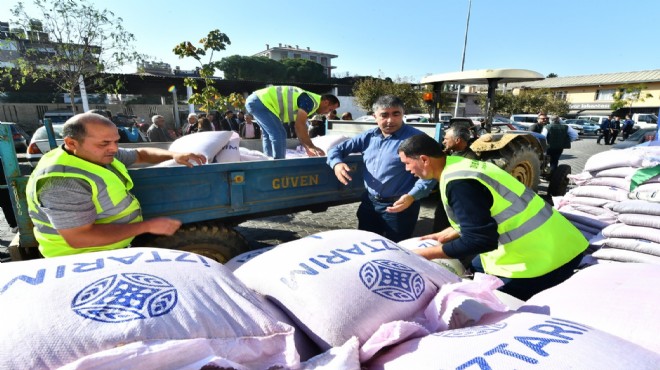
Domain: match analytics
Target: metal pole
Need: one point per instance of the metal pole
(467, 27)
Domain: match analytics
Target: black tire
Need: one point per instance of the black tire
(525, 165)
(210, 239)
(558, 184)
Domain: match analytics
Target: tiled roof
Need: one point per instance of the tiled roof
(591, 80)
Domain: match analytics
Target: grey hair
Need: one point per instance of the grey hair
(460, 132)
(387, 101)
(192, 115)
(74, 127)
(154, 118)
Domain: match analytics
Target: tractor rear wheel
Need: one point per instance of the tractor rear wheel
(210, 239)
(525, 165)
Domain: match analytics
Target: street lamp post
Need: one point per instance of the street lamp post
(467, 27)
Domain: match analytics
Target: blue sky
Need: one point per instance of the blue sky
(410, 39)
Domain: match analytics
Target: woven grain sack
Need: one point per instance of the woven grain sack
(229, 152)
(248, 155)
(638, 157)
(327, 142)
(637, 206)
(239, 260)
(616, 298)
(632, 232)
(518, 341)
(636, 245)
(208, 143)
(344, 283)
(453, 265)
(102, 309)
(623, 255)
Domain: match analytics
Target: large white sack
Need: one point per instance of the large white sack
(344, 283)
(632, 232)
(518, 341)
(637, 206)
(636, 219)
(248, 155)
(621, 299)
(636, 245)
(327, 142)
(600, 192)
(451, 264)
(110, 306)
(624, 255)
(229, 152)
(208, 143)
(239, 260)
(623, 172)
(638, 157)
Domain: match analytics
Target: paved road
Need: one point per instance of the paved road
(279, 229)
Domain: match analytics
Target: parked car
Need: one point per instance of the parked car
(525, 119)
(586, 127)
(640, 136)
(39, 143)
(20, 137)
(58, 116)
(597, 120)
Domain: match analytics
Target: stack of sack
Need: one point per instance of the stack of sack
(616, 205)
(224, 147)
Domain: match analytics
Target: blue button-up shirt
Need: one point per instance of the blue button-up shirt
(386, 175)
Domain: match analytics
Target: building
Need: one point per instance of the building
(282, 52)
(154, 68)
(594, 94)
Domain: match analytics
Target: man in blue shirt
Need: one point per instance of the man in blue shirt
(390, 206)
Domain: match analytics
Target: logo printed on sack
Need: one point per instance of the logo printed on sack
(474, 331)
(125, 297)
(392, 280)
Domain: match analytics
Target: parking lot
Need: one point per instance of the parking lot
(279, 229)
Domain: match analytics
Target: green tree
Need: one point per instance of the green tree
(628, 95)
(69, 40)
(528, 101)
(302, 70)
(367, 90)
(237, 67)
(208, 97)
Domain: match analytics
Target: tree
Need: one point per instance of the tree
(67, 42)
(367, 90)
(528, 101)
(628, 95)
(302, 70)
(551, 75)
(237, 67)
(209, 98)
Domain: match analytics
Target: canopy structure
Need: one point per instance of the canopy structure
(490, 77)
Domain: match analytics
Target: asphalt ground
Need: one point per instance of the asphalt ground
(279, 229)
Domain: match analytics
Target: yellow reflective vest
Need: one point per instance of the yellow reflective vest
(283, 101)
(110, 195)
(534, 238)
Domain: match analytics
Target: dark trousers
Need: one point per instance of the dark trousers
(372, 216)
(525, 288)
(613, 136)
(554, 155)
(604, 134)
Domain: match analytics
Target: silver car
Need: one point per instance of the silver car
(39, 143)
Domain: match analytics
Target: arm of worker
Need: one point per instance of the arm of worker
(68, 204)
(422, 189)
(303, 135)
(470, 202)
(157, 155)
(342, 150)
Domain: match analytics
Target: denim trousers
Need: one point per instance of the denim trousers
(372, 216)
(273, 134)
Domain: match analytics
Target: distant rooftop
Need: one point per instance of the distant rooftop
(618, 78)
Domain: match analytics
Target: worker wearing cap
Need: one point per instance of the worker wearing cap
(275, 105)
(517, 235)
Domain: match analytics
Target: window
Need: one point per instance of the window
(312, 58)
(296, 56)
(560, 95)
(607, 95)
(324, 61)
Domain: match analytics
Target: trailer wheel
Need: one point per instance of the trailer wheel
(558, 184)
(213, 240)
(525, 166)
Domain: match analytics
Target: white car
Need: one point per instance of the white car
(39, 144)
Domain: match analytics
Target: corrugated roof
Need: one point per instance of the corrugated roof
(591, 80)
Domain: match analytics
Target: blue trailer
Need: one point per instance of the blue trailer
(210, 200)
